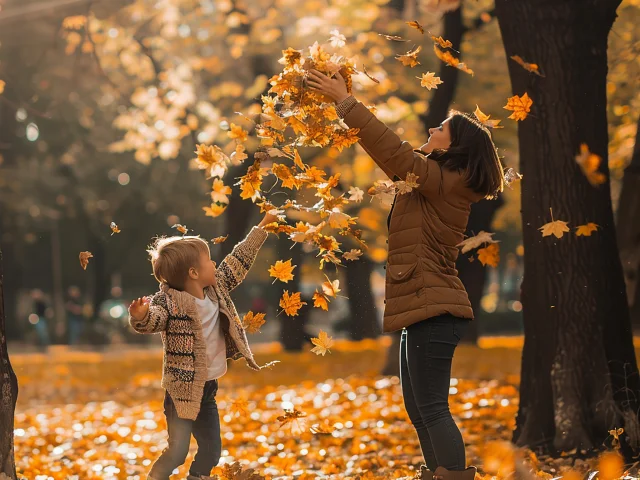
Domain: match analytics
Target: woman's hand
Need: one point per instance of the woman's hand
(334, 88)
(139, 308)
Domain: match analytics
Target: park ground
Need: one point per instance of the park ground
(98, 415)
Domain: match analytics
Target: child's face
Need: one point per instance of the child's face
(206, 270)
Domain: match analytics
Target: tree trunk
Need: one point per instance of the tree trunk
(8, 395)
(579, 372)
(629, 231)
(363, 322)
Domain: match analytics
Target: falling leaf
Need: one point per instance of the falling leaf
(322, 428)
(219, 240)
(181, 228)
(474, 242)
(252, 322)
(364, 70)
(282, 271)
(407, 185)
(384, 191)
(114, 228)
(530, 67)
(452, 61)
(331, 288)
(338, 219)
(237, 133)
(415, 24)
(520, 106)
(75, 22)
(295, 420)
(510, 176)
(2, 85)
(353, 254)
(554, 227)
(337, 40)
(238, 155)
(586, 230)
(211, 158)
(219, 191)
(395, 38)
(355, 194)
(214, 210)
(84, 259)
(320, 301)
(615, 433)
(442, 42)
(322, 344)
(489, 255)
(410, 59)
(291, 303)
(484, 119)
(589, 164)
(283, 173)
(429, 81)
(240, 407)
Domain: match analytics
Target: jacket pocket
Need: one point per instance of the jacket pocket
(400, 273)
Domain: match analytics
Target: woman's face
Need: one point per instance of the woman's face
(439, 137)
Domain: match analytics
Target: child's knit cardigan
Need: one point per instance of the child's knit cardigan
(174, 315)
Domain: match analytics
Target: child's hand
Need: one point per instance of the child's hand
(268, 218)
(139, 308)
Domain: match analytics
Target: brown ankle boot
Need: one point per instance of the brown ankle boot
(442, 473)
(424, 473)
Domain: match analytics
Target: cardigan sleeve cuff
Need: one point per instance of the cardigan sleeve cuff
(345, 106)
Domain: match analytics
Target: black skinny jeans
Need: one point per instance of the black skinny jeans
(205, 429)
(426, 352)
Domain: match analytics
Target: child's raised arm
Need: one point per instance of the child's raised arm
(149, 315)
(235, 266)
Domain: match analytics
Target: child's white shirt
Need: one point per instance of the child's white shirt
(209, 313)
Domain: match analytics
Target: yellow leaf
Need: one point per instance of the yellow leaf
(520, 106)
(181, 228)
(252, 322)
(429, 80)
(297, 160)
(291, 303)
(353, 254)
(331, 288)
(219, 191)
(364, 70)
(484, 119)
(219, 240)
(237, 133)
(322, 344)
(530, 67)
(489, 255)
(474, 242)
(2, 85)
(410, 59)
(589, 164)
(320, 301)
(405, 186)
(415, 24)
(283, 173)
(322, 428)
(282, 271)
(114, 228)
(554, 227)
(215, 210)
(239, 155)
(586, 230)
(294, 420)
(240, 407)
(452, 61)
(442, 42)
(84, 259)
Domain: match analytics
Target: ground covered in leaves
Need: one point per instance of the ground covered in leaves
(87, 415)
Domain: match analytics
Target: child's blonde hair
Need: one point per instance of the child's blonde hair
(172, 257)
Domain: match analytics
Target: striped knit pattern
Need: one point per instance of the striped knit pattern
(174, 315)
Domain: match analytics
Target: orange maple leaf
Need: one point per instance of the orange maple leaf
(589, 164)
(214, 210)
(489, 255)
(529, 67)
(114, 228)
(291, 303)
(452, 61)
(410, 59)
(322, 344)
(554, 227)
(586, 230)
(429, 81)
(252, 322)
(84, 259)
(320, 301)
(484, 119)
(282, 271)
(442, 42)
(520, 106)
(415, 24)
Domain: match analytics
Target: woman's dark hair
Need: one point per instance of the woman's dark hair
(472, 151)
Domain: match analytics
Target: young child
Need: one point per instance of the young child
(200, 330)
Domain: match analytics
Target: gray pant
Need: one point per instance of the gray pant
(205, 429)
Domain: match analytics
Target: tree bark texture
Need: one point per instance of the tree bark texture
(579, 373)
(8, 395)
(629, 231)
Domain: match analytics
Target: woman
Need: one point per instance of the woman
(424, 297)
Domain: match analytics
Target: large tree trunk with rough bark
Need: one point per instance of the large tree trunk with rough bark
(629, 231)
(8, 395)
(579, 372)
